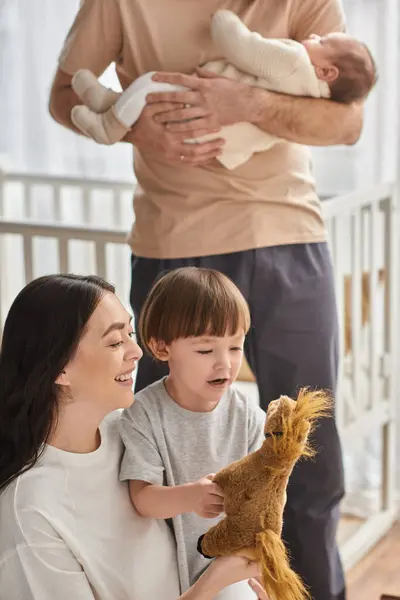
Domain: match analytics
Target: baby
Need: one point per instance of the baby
(183, 429)
(335, 66)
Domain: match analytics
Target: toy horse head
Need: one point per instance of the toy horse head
(289, 422)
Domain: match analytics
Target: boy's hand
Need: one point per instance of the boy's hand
(206, 499)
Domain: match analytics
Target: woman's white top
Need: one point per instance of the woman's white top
(68, 531)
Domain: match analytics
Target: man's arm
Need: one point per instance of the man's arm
(94, 41)
(63, 99)
(310, 121)
(315, 122)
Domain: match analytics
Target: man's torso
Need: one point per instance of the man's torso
(186, 211)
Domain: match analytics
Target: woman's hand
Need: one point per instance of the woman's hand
(227, 570)
(210, 103)
(258, 589)
(222, 572)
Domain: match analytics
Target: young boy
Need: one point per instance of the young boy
(183, 429)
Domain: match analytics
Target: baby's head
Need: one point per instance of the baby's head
(196, 320)
(344, 63)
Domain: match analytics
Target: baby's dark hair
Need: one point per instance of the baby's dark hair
(357, 75)
(192, 301)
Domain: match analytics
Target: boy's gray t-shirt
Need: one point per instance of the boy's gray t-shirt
(166, 444)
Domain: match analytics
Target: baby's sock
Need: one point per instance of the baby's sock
(93, 94)
(104, 128)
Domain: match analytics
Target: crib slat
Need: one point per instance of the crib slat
(389, 487)
(356, 276)
(374, 354)
(57, 203)
(27, 200)
(336, 241)
(100, 259)
(28, 257)
(63, 254)
(86, 205)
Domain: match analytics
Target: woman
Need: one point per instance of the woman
(68, 529)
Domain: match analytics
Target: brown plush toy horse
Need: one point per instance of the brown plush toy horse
(255, 494)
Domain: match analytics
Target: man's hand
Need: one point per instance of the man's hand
(216, 101)
(205, 498)
(151, 137)
(210, 103)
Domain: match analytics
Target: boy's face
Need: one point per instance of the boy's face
(202, 368)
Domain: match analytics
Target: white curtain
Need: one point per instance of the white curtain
(31, 36)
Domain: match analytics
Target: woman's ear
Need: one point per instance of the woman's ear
(159, 349)
(328, 74)
(63, 379)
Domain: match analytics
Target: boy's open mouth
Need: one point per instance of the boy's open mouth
(218, 382)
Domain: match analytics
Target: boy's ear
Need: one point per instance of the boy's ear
(328, 74)
(159, 349)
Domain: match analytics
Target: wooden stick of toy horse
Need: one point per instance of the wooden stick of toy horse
(255, 493)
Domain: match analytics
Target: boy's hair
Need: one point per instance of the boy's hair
(357, 75)
(192, 301)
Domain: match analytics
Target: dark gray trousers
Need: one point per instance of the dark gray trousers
(293, 342)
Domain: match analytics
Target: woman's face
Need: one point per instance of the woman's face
(100, 374)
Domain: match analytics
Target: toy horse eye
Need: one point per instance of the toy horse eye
(269, 434)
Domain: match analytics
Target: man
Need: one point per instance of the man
(260, 224)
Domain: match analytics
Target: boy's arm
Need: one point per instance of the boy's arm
(158, 501)
(93, 42)
(142, 465)
(142, 460)
(165, 502)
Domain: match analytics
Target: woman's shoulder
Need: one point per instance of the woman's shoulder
(23, 506)
(31, 504)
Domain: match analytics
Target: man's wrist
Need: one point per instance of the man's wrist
(257, 106)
